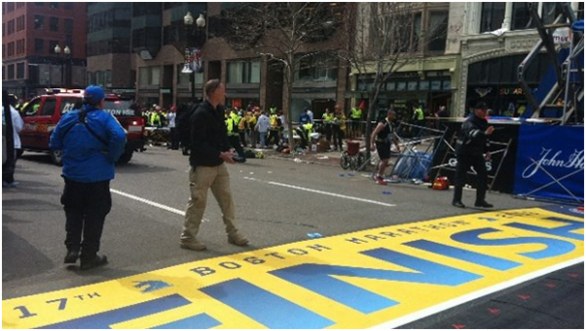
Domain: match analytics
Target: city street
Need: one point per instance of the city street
(280, 205)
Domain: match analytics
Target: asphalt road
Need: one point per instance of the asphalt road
(278, 201)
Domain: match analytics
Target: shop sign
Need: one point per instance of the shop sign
(511, 91)
(562, 36)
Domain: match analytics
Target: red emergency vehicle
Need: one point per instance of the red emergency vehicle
(43, 112)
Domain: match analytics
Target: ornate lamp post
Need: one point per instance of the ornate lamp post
(65, 79)
(193, 53)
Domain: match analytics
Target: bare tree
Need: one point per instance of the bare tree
(284, 33)
(385, 37)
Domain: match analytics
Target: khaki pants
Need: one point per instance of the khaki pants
(201, 179)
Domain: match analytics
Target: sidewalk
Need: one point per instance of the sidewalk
(330, 158)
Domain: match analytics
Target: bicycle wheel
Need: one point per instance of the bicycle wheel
(360, 161)
(345, 160)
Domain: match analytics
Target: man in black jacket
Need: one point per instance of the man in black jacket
(210, 150)
(472, 150)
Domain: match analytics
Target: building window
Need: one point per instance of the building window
(20, 70)
(53, 5)
(90, 78)
(438, 31)
(143, 76)
(521, 17)
(243, 72)
(184, 79)
(155, 75)
(10, 49)
(108, 78)
(99, 78)
(68, 25)
(39, 45)
(54, 24)
(493, 14)
(39, 22)
(20, 23)
(10, 73)
(10, 27)
(52, 45)
(20, 46)
(148, 76)
(317, 68)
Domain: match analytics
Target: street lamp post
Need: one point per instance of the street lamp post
(196, 42)
(66, 53)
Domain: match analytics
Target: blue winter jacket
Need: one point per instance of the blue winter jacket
(87, 158)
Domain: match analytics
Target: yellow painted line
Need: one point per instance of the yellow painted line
(385, 277)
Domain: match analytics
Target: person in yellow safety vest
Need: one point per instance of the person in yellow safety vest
(155, 119)
(328, 120)
(274, 129)
(418, 119)
(308, 128)
(355, 118)
(338, 127)
(253, 134)
(243, 128)
(232, 121)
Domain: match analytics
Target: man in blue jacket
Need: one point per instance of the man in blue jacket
(91, 140)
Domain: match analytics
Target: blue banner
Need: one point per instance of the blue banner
(550, 162)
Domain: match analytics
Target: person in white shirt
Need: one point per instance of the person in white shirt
(10, 164)
(262, 126)
(173, 135)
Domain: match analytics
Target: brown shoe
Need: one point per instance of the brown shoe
(193, 245)
(237, 239)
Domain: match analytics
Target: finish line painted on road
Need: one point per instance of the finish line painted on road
(387, 276)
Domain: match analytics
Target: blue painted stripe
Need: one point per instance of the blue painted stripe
(104, 320)
(463, 254)
(562, 231)
(200, 321)
(553, 247)
(319, 278)
(264, 307)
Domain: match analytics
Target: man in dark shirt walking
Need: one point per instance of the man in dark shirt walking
(210, 150)
(471, 150)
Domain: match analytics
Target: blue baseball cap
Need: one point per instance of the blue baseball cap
(94, 94)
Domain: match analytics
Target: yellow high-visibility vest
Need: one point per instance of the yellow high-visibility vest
(356, 113)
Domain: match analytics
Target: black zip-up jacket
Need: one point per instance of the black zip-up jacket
(472, 139)
(208, 135)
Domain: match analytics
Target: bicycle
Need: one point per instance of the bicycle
(352, 157)
(354, 162)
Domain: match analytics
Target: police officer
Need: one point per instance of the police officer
(472, 150)
(232, 120)
(328, 120)
(355, 118)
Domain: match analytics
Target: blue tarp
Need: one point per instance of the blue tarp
(413, 165)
